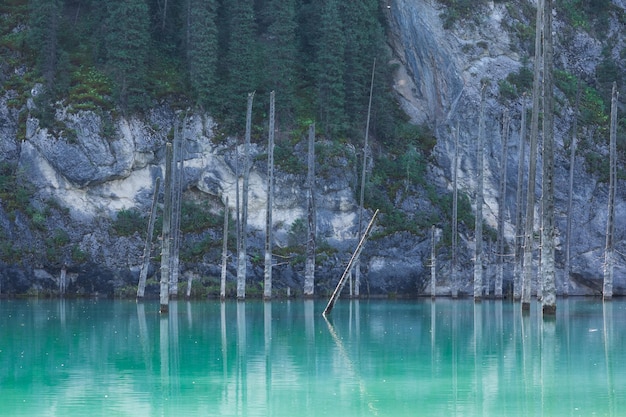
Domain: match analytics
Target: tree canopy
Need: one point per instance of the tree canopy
(316, 55)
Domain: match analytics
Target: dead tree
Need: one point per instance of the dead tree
(548, 232)
(501, 205)
(357, 270)
(342, 281)
(519, 200)
(433, 261)
(224, 252)
(480, 198)
(143, 275)
(243, 228)
(609, 252)
(532, 169)
(267, 287)
(455, 216)
(309, 269)
(570, 199)
(166, 236)
(177, 169)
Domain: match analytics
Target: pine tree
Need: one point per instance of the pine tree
(330, 67)
(282, 54)
(45, 16)
(127, 47)
(242, 56)
(201, 47)
(364, 37)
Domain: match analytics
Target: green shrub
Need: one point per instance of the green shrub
(128, 222)
(196, 217)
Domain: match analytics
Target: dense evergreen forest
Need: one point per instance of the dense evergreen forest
(128, 55)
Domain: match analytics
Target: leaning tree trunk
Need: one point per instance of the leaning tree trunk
(570, 199)
(455, 217)
(548, 228)
(143, 275)
(532, 169)
(309, 270)
(243, 229)
(267, 287)
(480, 198)
(501, 204)
(609, 253)
(519, 198)
(167, 225)
(357, 270)
(224, 252)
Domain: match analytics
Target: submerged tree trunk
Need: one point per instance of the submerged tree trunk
(455, 218)
(177, 169)
(532, 169)
(609, 253)
(267, 287)
(480, 151)
(166, 236)
(357, 270)
(309, 270)
(519, 199)
(570, 199)
(433, 261)
(143, 275)
(224, 252)
(243, 229)
(501, 204)
(548, 228)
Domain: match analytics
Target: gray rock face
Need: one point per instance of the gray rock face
(447, 69)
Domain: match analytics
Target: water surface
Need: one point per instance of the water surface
(385, 358)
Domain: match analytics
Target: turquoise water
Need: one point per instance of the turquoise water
(384, 358)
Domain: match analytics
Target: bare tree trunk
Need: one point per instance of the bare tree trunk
(478, 260)
(224, 252)
(346, 273)
(63, 280)
(519, 199)
(143, 275)
(570, 200)
(548, 228)
(241, 256)
(309, 270)
(532, 169)
(433, 261)
(501, 205)
(166, 236)
(455, 216)
(267, 288)
(176, 209)
(357, 270)
(609, 253)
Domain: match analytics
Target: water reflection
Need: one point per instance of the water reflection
(607, 333)
(280, 358)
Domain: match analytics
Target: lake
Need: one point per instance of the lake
(282, 358)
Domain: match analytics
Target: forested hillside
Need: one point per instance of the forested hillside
(129, 55)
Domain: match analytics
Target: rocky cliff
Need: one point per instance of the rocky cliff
(82, 179)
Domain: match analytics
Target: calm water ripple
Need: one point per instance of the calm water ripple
(378, 358)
